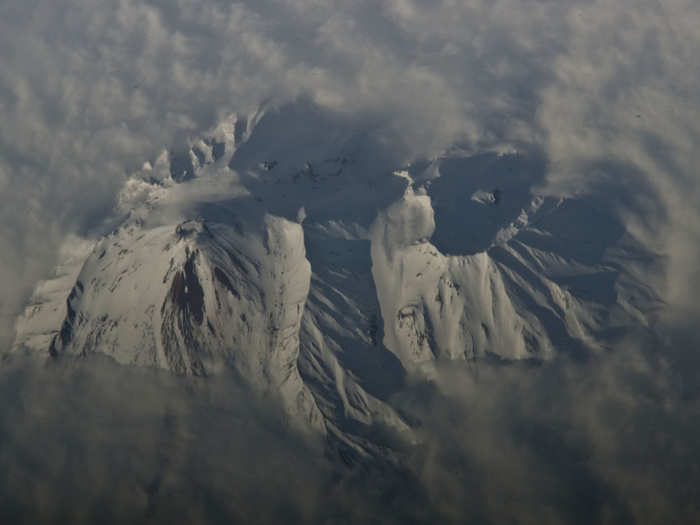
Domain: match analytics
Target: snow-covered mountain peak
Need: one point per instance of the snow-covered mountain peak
(295, 251)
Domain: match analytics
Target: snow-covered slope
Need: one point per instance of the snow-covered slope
(293, 251)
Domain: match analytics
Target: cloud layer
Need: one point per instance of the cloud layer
(614, 440)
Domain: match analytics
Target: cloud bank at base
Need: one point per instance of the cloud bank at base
(609, 441)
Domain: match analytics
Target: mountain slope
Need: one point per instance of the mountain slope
(295, 252)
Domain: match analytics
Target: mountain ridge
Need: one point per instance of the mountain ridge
(311, 268)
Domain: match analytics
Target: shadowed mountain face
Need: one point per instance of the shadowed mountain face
(293, 253)
(475, 198)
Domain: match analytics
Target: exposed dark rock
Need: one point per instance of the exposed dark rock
(181, 167)
(218, 149)
(497, 195)
(183, 312)
(186, 292)
(201, 157)
(239, 130)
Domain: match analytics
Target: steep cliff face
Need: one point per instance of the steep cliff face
(439, 306)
